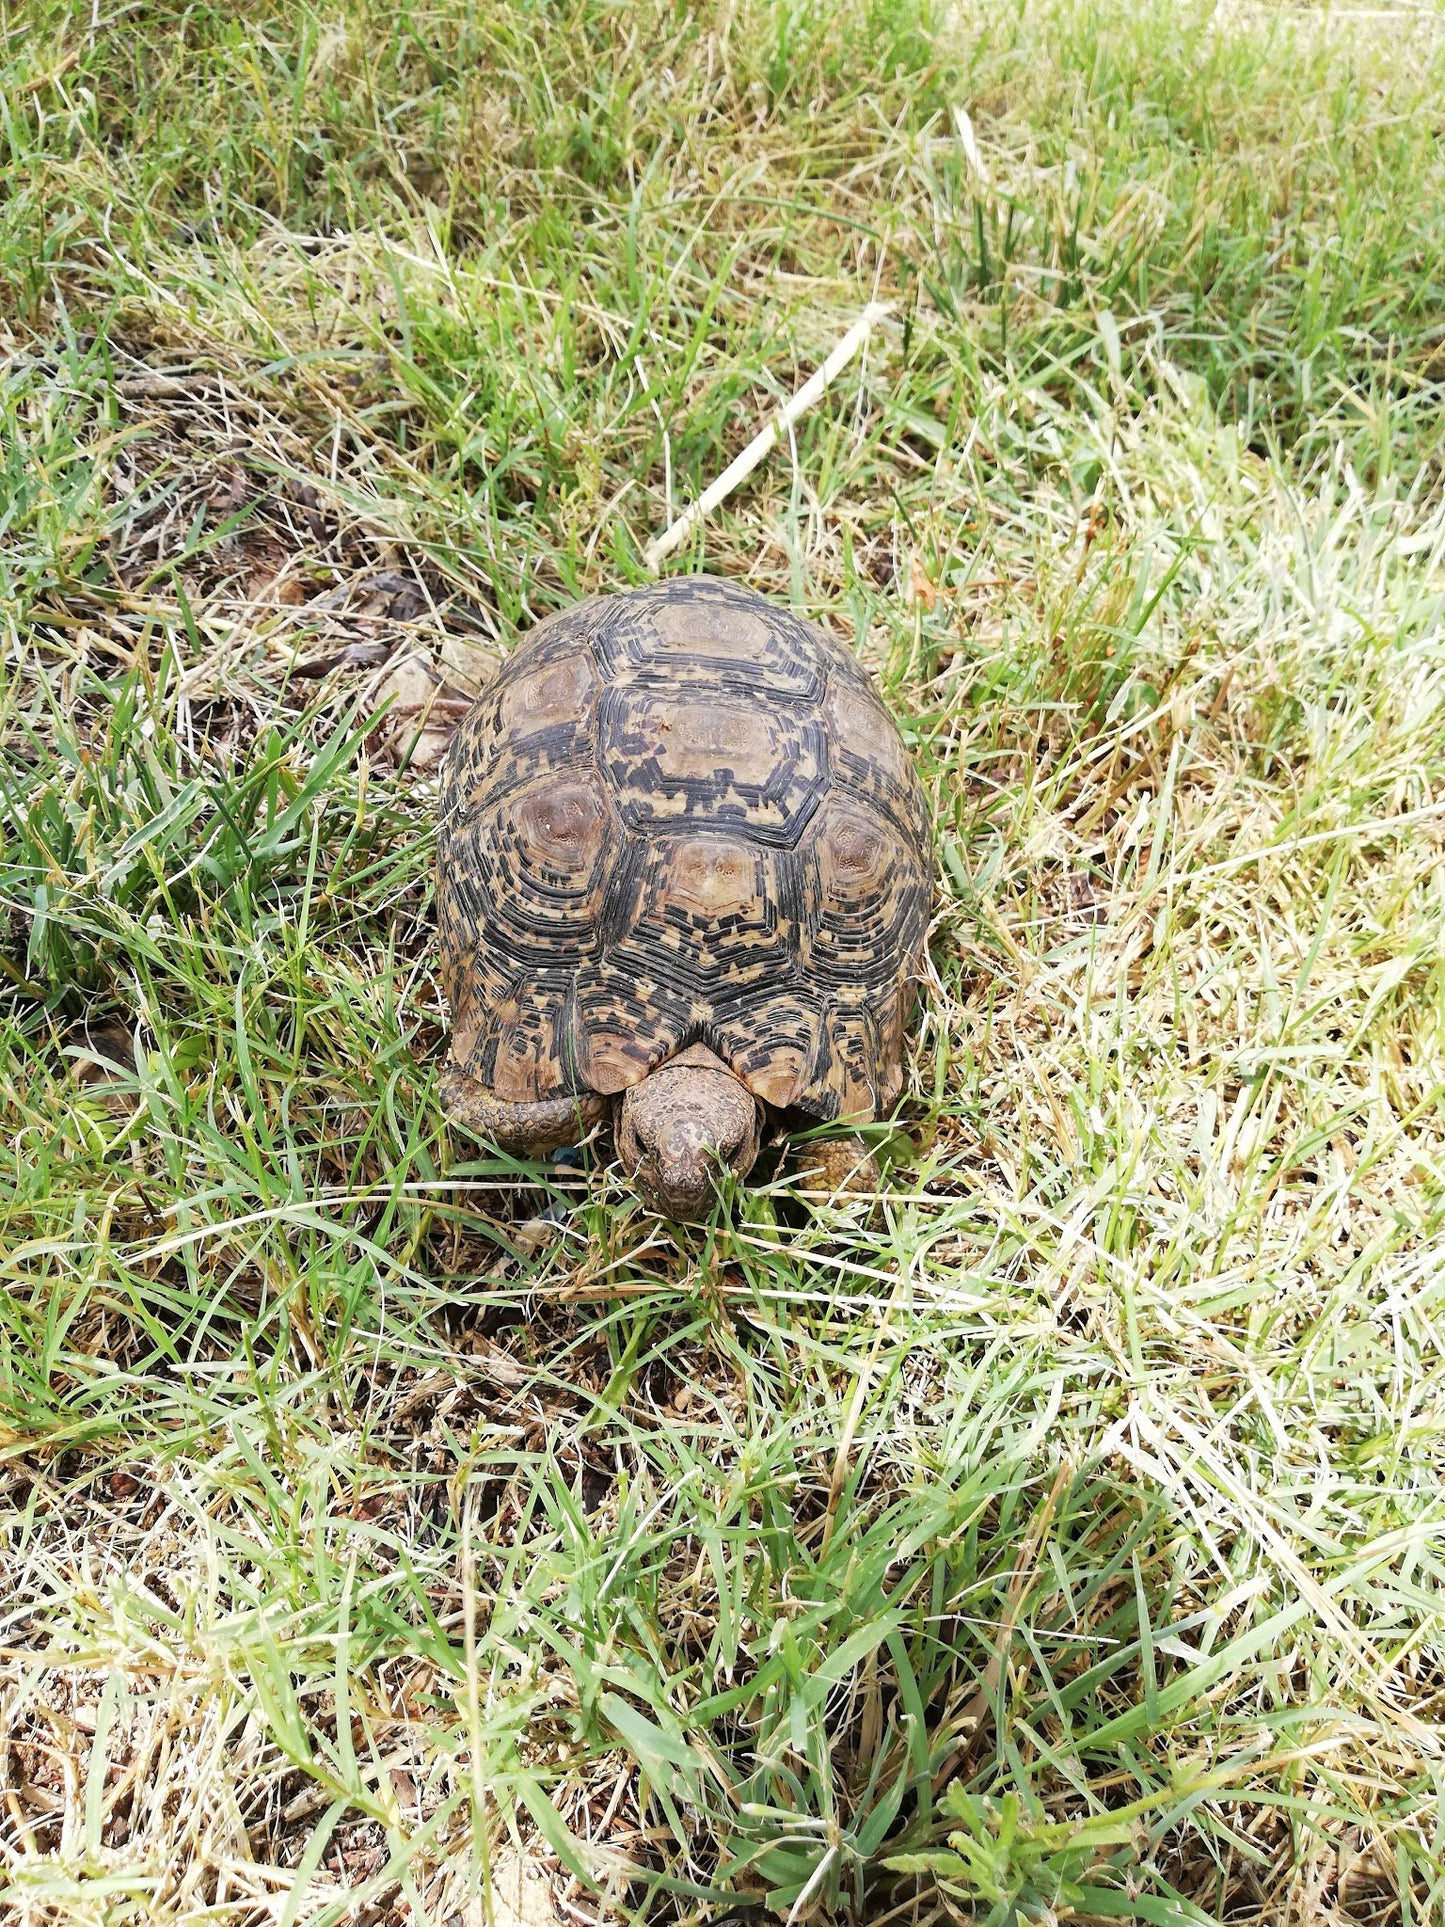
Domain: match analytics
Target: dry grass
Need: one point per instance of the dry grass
(1080, 1506)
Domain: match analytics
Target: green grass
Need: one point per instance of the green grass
(1065, 1533)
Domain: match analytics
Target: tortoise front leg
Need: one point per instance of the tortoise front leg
(843, 1167)
(524, 1130)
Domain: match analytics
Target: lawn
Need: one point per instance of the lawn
(1066, 1529)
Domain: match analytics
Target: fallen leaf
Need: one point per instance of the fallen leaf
(920, 589)
(468, 663)
(422, 715)
(356, 655)
(102, 1054)
(385, 593)
(228, 489)
(521, 1894)
(276, 585)
(390, 593)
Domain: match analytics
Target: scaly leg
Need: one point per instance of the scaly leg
(525, 1130)
(843, 1167)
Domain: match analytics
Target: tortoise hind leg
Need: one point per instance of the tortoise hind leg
(524, 1130)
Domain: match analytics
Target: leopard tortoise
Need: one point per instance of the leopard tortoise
(683, 871)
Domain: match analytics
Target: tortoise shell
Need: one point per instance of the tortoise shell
(680, 815)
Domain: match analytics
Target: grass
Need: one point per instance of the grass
(1065, 1533)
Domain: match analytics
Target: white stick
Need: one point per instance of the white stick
(968, 141)
(738, 471)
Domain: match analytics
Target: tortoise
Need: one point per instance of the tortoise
(683, 874)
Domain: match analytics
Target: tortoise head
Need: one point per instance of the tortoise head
(681, 1128)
